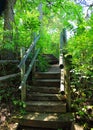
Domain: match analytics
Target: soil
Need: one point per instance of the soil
(8, 92)
(6, 122)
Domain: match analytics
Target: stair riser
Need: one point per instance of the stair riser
(47, 76)
(45, 90)
(58, 109)
(50, 84)
(45, 124)
(42, 98)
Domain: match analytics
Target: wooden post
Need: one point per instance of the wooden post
(66, 63)
(23, 87)
(61, 64)
(67, 82)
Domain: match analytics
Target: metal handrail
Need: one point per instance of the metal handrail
(29, 69)
(28, 51)
(24, 75)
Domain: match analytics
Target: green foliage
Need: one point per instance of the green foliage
(80, 47)
(31, 23)
(5, 94)
(8, 95)
(56, 14)
(20, 105)
(42, 64)
(25, 26)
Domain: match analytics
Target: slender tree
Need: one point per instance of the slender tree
(9, 19)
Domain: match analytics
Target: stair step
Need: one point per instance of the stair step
(47, 75)
(54, 68)
(50, 58)
(52, 90)
(46, 106)
(47, 82)
(45, 120)
(46, 97)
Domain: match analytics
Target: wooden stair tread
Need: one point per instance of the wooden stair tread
(46, 97)
(48, 80)
(47, 75)
(46, 106)
(46, 116)
(44, 89)
(50, 58)
(45, 120)
(45, 103)
(44, 94)
(54, 68)
(47, 72)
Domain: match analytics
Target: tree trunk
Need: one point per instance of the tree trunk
(8, 20)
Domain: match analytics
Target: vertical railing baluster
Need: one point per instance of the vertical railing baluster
(23, 87)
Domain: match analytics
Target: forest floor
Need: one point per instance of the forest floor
(6, 113)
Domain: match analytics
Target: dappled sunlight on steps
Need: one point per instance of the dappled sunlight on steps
(45, 106)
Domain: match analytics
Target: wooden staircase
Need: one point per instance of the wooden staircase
(42, 99)
(45, 106)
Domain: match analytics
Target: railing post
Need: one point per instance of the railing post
(63, 42)
(23, 87)
(67, 82)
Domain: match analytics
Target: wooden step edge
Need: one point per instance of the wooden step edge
(46, 103)
(59, 108)
(48, 121)
(39, 86)
(54, 73)
(59, 97)
(47, 80)
(45, 124)
(43, 87)
(44, 90)
(44, 116)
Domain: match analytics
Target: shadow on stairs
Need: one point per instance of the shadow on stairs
(45, 106)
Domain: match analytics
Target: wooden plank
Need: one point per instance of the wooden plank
(47, 75)
(44, 89)
(47, 82)
(9, 76)
(46, 97)
(46, 106)
(46, 124)
(28, 51)
(46, 120)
